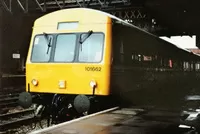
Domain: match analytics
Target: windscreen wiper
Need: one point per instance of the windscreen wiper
(48, 41)
(87, 36)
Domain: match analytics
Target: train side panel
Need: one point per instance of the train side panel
(149, 82)
(161, 89)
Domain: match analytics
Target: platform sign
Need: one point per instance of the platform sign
(16, 56)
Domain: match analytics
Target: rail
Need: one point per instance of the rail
(16, 119)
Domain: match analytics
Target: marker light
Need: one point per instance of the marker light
(93, 84)
(34, 82)
(62, 84)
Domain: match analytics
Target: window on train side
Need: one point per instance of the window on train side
(91, 50)
(65, 48)
(41, 48)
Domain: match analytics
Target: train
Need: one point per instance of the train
(81, 59)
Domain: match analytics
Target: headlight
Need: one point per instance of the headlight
(34, 82)
(93, 84)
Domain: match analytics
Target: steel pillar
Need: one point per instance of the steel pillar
(1, 44)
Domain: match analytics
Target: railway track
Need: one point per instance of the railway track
(7, 102)
(12, 116)
(8, 99)
(8, 95)
(10, 121)
(12, 90)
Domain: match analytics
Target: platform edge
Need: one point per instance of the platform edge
(72, 121)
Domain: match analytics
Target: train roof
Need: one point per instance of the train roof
(152, 39)
(173, 46)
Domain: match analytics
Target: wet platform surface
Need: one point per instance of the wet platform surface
(122, 121)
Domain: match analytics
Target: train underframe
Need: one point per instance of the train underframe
(58, 108)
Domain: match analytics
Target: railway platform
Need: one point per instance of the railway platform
(119, 121)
